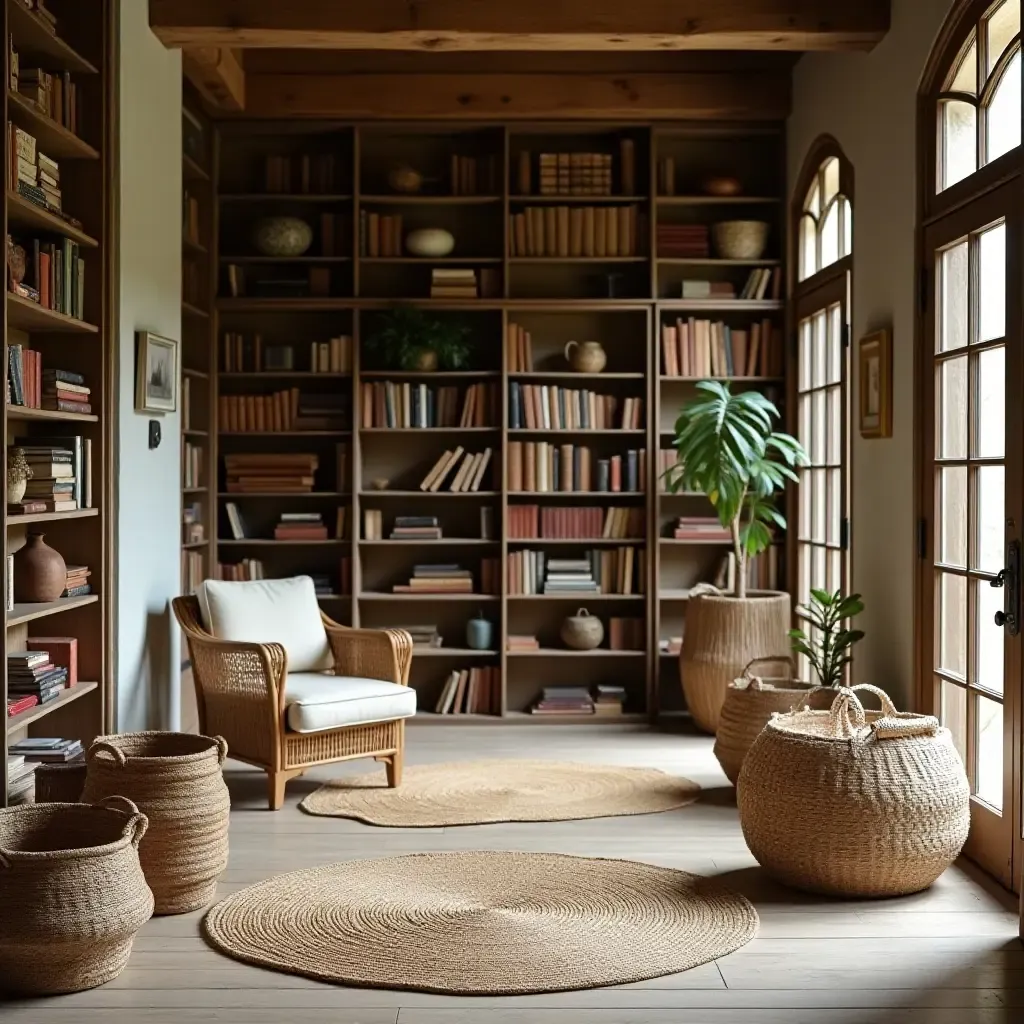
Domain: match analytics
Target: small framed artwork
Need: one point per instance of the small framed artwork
(875, 370)
(156, 373)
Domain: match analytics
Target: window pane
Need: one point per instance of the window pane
(988, 637)
(834, 445)
(835, 344)
(834, 509)
(953, 624)
(954, 715)
(953, 277)
(819, 578)
(808, 247)
(1002, 119)
(806, 497)
(835, 570)
(820, 350)
(990, 530)
(989, 749)
(847, 217)
(830, 236)
(820, 514)
(990, 403)
(992, 281)
(804, 572)
(952, 513)
(819, 429)
(830, 179)
(1003, 25)
(805, 422)
(959, 144)
(966, 77)
(806, 355)
(813, 204)
(951, 409)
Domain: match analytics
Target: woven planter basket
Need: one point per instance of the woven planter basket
(750, 701)
(176, 779)
(852, 802)
(722, 635)
(72, 894)
(60, 783)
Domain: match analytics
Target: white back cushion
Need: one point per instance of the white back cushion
(269, 611)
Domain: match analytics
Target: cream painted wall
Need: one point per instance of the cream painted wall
(868, 102)
(149, 499)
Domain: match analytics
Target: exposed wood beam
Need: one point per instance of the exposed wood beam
(762, 96)
(439, 25)
(217, 75)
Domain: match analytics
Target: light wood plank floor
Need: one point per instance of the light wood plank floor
(948, 956)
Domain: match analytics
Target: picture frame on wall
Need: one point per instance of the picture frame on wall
(156, 373)
(874, 363)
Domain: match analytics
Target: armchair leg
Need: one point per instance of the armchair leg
(393, 768)
(276, 782)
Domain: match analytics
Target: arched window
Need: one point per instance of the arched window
(979, 105)
(826, 223)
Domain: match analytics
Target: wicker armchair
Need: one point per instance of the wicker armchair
(242, 695)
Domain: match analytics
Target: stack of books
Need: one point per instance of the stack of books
(39, 750)
(32, 673)
(20, 778)
(564, 700)
(671, 645)
(416, 528)
(576, 174)
(519, 642)
(423, 636)
(15, 705)
(609, 700)
(708, 290)
(683, 241)
(246, 569)
(78, 581)
(475, 691)
(64, 391)
(569, 576)
(291, 473)
(300, 526)
(63, 652)
(26, 173)
(701, 528)
(608, 571)
(53, 482)
(453, 283)
(448, 578)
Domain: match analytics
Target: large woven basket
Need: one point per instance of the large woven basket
(72, 894)
(723, 634)
(176, 779)
(750, 701)
(852, 802)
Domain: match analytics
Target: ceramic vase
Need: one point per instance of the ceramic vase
(40, 573)
(586, 356)
(432, 242)
(282, 236)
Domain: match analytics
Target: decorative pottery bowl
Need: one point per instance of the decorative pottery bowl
(282, 236)
(405, 179)
(740, 239)
(430, 242)
(721, 185)
(380, 483)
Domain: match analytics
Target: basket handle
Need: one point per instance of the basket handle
(137, 822)
(106, 747)
(847, 712)
(222, 748)
(760, 661)
(5, 860)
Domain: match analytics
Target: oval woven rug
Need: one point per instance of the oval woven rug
(479, 792)
(482, 923)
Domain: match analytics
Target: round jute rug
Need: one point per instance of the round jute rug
(482, 923)
(477, 792)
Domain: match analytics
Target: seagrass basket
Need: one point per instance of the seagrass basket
(60, 783)
(751, 700)
(851, 802)
(72, 894)
(177, 780)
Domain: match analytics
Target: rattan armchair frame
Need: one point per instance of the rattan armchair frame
(240, 695)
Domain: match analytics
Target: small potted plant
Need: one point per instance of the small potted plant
(828, 648)
(407, 338)
(727, 450)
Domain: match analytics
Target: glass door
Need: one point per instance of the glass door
(971, 530)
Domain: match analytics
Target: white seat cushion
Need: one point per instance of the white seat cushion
(284, 612)
(317, 701)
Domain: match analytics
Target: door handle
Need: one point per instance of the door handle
(1008, 580)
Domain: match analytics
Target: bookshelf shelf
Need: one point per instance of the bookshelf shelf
(578, 431)
(194, 490)
(577, 259)
(716, 200)
(286, 433)
(430, 261)
(196, 374)
(21, 412)
(196, 545)
(674, 542)
(675, 261)
(298, 260)
(21, 613)
(374, 596)
(573, 375)
(428, 430)
(579, 495)
(421, 200)
(722, 305)
(290, 495)
(194, 248)
(26, 718)
(430, 375)
(532, 542)
(550, 200)
(50, 517)
(555, 652)
(452, 652)
(455, 542)
(283, 197)
(282, 375)
(522, 717)
(26, 315)
(737, 380)
(188, 307)
(35, 39)
(428, 494)
(54, 139)
(192, 432)
(192, 170)
(248, 542)
(23, 213)
(578, 598)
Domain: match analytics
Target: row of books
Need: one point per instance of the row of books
(192, 465)
(450, 578)
(528, 522)
(54, 275)
(577, 174)
(32, 386)
(242, 353)
(538, 466)
(77, 582)
(458, 470)
(518, 349)
(474, 691)
(190, 217)
(682, 241)
(404, 404)
(761, 283)
(273, 473)
(547, 407)
(61, 478)
(424, 635)
(56, 95)
(192, 570)
(579, 700)
(587, 231)
(47, 750)
(702, 348)
(305, 173)
(32, 674)
(604, 571)
(380, 234)
(289, 409)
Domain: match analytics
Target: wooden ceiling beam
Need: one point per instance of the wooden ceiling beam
(452, 25)
(408, 97)
(218, 76)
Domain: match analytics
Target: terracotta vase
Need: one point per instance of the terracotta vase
(40, 573)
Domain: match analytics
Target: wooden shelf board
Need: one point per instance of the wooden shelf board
(285, 259)
(436, 719)
(265, 541)
(430, 374)
(235, 495)
(52, 138)
(557, 652)
(427, 261)
(429, 494)
(755, 379)
(33, 38)
(26, 718)
(198, 374)
(284, 433)
(580, 495)
(422, 200)
(669, 654)
(572, 375)
(190, 169)
(715, 200)
(51, 517)
(23, 213)
(724, 305)
(27, 315)
(188, 307)
(333, 597)
(284, 197)
(452, 652)
(579, 596)
(191, 432)
(689, 261)
(196, 545)
(443, 542)
(279, 374)
(369, 595)
(284, 304)
(549, 200)
(614, 432)
(429, 430)
(29, 612)
(193, 490)
(575, 541)
(196, 248)
(577, 259)
(21, 412)
(578, 305)
(675, 542)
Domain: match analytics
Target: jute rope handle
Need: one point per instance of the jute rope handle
(104, 746)
(137, 822)
(222, 748)
(892, 724)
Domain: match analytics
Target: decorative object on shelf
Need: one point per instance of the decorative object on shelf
(19, 472)
(586, 356)
(407, 338)
(17, 264)
(582, 631)
(177, 779)
(874, 356)
(60, 783)
(721, 185)
(728, 451)
(40, 572)
(434, 242)
(740, 239)
(405, 179)
(83, 860)
(479, 633)
(852, 802)
(156, 373)
(282, 236)
(380, 483)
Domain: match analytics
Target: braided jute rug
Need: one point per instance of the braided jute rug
(482, 923)
(478, 792)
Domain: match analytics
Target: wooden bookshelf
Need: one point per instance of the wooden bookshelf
(78, 218)
(622, 300)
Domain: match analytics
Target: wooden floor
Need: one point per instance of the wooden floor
(949, 956)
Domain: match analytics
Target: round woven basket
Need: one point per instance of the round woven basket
(852, 802)
(72, 892)
(750, 701)
(176, 779)
(60, 783)
(722, 635)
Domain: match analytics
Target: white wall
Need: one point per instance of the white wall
(868, 102)
(149, 498)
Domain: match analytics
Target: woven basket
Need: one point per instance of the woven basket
(176, 779)
(60, 783)
(750, 701)
(722, 635)
(72, 894)
(852, 802)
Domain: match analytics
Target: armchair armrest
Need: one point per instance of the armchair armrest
(371, 653)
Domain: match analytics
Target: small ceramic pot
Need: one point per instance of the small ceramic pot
(405, 179)
(40, 572)
(430, 242)
(582, 631)
(586, 356)
(479, 633)
(282, 236)
(740, 239)
(722, 185)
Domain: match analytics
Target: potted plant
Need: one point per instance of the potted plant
(727, 450)
(407, 338)
(828, 648)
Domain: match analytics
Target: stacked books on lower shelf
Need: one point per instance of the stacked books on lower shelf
(283, 473)
(61, 478)
(578, 700)
(423, 636)
(47, 750)
(449, 578)
(300, 526)
(237, 572)
(538, 466)
(33, 387)
(402, 404)
(20, 779)
(608, 571)
(474, 691)
(77, 581)
(702, 529)
(416, 528)
(33, 674)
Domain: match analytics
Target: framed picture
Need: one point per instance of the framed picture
(874, 359)
(156, 373)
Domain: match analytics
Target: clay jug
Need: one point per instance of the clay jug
(586, 356)
(40, 574)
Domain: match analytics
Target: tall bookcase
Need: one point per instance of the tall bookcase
(623, 299)
(76, 50)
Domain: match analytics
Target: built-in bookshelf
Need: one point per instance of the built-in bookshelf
(58, 211)
(507, 468)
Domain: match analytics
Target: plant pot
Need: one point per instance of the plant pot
(740, 239)
(582, 631)
(722, 635)
(40, 573)
(425, 361)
